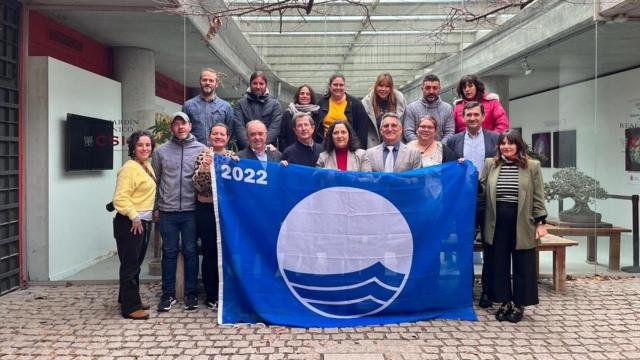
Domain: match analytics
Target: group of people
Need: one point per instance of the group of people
(337, 132)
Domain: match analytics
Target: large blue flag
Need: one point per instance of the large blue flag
(308, 247)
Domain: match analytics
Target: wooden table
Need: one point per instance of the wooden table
(556, 244)
(592, 234)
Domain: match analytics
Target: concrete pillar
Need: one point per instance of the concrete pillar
(500, 86)
(135, 69)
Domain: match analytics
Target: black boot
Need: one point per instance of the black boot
(516, 314)
(504, 311)
(484, 302)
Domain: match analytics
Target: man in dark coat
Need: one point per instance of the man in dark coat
(304, 151)
(257, 105)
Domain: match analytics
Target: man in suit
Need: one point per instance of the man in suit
(402, 157)
(476, 144)
(257, 150)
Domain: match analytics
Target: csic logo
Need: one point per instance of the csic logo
(88, 141)
(345, 252)
(102, 140)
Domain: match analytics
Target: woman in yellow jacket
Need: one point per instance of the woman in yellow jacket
(133, 199)
(514, 221)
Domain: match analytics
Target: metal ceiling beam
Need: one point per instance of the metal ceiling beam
(360, 60)
(386, 8)
(400, 39)
(284, 70)
(350, 76)
(408, 48)
(354, 26)
(394, 32)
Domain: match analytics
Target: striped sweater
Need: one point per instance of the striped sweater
(507, 185)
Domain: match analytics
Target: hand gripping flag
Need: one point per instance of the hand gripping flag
(309, 247)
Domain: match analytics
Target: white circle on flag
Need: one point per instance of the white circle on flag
(345, 252)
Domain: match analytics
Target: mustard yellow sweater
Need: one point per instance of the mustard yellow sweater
(135, 190)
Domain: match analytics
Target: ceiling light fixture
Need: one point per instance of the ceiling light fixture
(526, 67)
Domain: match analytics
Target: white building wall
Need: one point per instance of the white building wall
(80, 230)
(597, 110)
(166, 107)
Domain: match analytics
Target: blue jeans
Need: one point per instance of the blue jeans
(173, 227)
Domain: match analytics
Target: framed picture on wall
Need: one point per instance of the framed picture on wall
(564, 149)
(541, 144)
(632, 149)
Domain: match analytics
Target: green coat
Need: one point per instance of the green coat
(530, 202)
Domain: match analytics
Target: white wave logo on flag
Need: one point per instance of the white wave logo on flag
(345, 252)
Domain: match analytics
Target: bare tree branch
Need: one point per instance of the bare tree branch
(464, 17)
(217, 15)
(508, 5)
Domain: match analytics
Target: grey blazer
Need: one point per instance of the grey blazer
(356, 161)
(456, 143)
(408, 158)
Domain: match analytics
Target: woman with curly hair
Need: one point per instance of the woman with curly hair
(471, 88)
(133, 200)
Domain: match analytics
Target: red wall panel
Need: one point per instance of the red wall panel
(169, 89)
(48, 37)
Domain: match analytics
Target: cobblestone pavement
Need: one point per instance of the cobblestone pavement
(593, 320)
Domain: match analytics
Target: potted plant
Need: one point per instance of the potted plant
(162, 128)
(583, 189)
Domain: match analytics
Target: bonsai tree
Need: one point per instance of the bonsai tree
(583, 189)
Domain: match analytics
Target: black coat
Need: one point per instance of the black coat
(355, 113)
(287, 136)
(298, 153)
(263, 108)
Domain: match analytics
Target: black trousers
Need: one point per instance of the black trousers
(502, 255)
(481, 205)
(131, 251)
(206, 229)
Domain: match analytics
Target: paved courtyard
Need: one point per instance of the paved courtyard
(595, 319)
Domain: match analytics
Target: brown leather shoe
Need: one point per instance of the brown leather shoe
(137, 315)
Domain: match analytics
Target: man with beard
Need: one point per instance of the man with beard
(175, 211)
(429, 104)
(207, 109)
(257, 105)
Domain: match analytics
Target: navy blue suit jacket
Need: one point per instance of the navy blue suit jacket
(456, 143)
